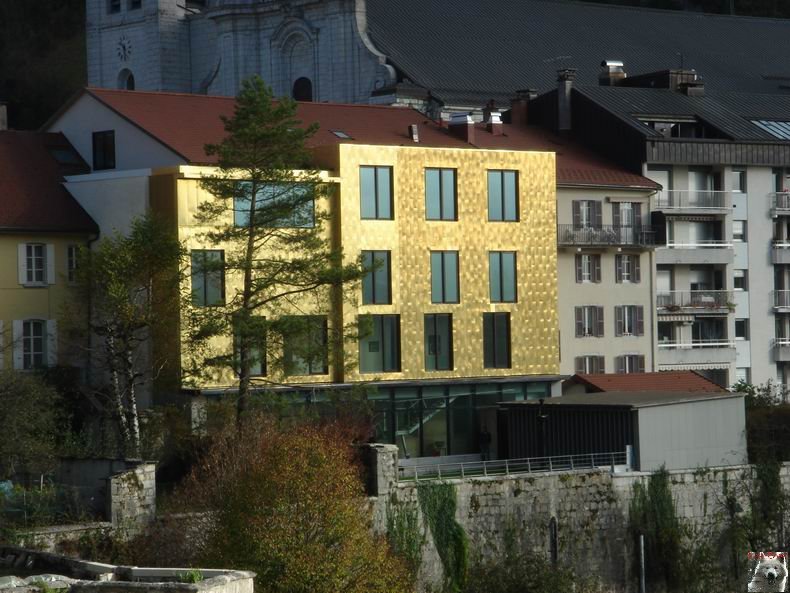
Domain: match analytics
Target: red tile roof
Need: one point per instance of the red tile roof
(186, 123)
(684, 381)
(32, 197)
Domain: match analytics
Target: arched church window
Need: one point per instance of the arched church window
(126, 80)
(303, 89)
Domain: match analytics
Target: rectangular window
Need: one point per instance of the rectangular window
(739, 180)
(503, 196)
(590, 364)
(104, 146)
(629, 320)
(36, 263)
(305, 350)
(502, 276)
(740, 280)
(439, 342)
(444, 277)
(375, 192)
(496, 340)
(743, 374)
(739, 230)
(257, 351)
(379, 344)
(113, 6)
(278, 205)
(587, 214)
(34, 355)
(588, 267)
(377, 281)
(440, 194)
(741, 329)
(208, 277)
(135, 4)
(71, 262)
(589, 321)
(630, 363)
(627, 268)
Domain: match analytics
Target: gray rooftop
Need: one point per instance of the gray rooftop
(468, 51)
(631, 399)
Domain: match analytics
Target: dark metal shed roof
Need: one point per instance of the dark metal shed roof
(630, 399)
(472, 51)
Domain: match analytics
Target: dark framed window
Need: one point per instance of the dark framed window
(629, 320)
(587, 214)
(502, 276)
(377, 282)
(630, 363)
(439, 342)
(208, 277)
(277, 205)
(306, 349)
(503, 196)
(589, 321)
(113, 6)
(34, 344)
(135, 4)
(590, 364)
(496, 340)
(257, 352)
(375, 192)
(444, 277)
(379, 344)
(440, 194)
(36, 263)
(627, 268)
(104, 150)
(588, 268)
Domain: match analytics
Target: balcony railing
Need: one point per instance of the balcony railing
(700, 244)
(780, 203)
(625, 236)
(694, 344)
(693, 200)
(676, 300)
(782, 299)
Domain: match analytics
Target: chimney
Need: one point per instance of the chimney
(414, 133)
(612, 72)
(3, 117)
(565, 78)
(519, 107)
(694, 88)
(463, 126)
(494, 123)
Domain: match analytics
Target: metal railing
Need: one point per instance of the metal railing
(693, 200)
(782, 298)
(780, 200)
(711, 343)
(781, 243)
(509, 467)
(695, 299)
(700, 244)
(781, 342)
(640, 235)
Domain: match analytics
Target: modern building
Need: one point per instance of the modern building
(41, 228)
(721, 165)
(466, 314)
(415, 52)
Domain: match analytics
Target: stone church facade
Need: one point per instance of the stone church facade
(309, 49)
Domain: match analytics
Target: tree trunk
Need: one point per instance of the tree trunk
(242, 404)
(117, 392)
(134, 418)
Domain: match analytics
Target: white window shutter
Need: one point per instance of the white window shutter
(22, 262)
(52, 343)
(50, 263)
(16, 336)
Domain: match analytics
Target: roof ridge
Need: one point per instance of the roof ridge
(690, 13)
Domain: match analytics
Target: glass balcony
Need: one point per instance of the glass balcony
(695, 301)
(606, 235)
(782, 300)
(782, 349)
(780, 203)
(780, 251)
(709, 201)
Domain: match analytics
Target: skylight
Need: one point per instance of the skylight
(341, 134)
(777, 129)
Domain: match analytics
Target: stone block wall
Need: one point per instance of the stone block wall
(132, 496)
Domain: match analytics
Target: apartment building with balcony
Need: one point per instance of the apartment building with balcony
(720, 218)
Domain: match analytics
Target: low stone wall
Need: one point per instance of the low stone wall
(52, 539)
(588, 507)
(132, 496)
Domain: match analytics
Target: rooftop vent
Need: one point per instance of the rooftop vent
(463, 126)
(341, 134)
(414, 133)
(612, 72)
(494, 123)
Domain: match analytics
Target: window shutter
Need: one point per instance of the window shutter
(637, 207)
(640, 320)
(618, 268)
(578, 268)
(577, 214)
(52, 343)
(620, 364)
(618, 321)
(596, 261)
(616, 214)
(597, 214)
(601, 367)
(16, 336)
(50, 263)
(641, 363)
(636, 273)
(579, 322)
(580, 364)
(22, 262)
(599, 321)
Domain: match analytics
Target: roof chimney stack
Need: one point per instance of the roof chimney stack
(612, 72)
(414, 132)
(494, 123)
(519, 107)
(463, 126)
(565, 78)
(3, 117)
